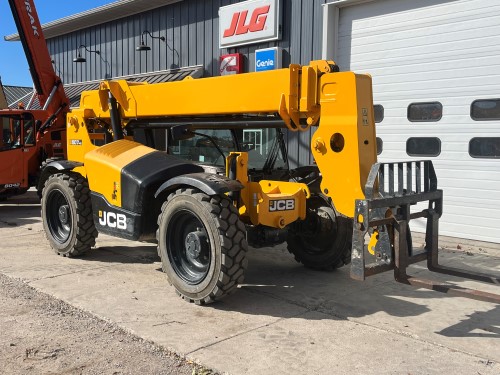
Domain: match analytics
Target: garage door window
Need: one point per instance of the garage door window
(485, 109)
(378, 109)
(425, 112)
(423, 146)
(485, 147)
(380, 145)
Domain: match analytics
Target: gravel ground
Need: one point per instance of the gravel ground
(43, 335)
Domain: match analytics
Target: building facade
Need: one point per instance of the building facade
(435, 67)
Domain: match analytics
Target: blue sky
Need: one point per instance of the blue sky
(13, 66)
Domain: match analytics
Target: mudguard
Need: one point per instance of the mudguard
(56, 165)
(210, 184)
(64, 165)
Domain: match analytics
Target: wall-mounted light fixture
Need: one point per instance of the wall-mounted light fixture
(79, 58)
(143, 46)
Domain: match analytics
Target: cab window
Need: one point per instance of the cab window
(17, 131)
(202, 149)
(29, 132)
(262, 145)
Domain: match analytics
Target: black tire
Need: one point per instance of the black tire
(202, 245)
(67, 214)
(323, 240)
(43, 176)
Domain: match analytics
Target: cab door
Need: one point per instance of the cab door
(17, 150)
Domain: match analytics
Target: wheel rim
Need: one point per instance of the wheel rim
(58, 216)
(188, 247)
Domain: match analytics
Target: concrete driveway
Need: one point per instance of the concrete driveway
(285, 319)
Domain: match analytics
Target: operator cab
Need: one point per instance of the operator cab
(209, 147)
(17, 154)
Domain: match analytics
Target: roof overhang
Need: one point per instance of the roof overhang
(97, 16)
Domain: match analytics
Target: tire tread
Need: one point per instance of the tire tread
(232, 237)
(79, 192)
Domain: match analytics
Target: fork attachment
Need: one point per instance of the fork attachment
(390, 191)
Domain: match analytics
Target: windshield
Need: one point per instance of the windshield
(17, 130)
(262, 145)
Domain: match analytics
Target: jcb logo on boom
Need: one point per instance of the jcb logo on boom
(257, 22)
(282, 205)
(112, 220)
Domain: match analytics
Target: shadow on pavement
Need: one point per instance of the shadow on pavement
(331, 293)
(143, 254)
(20, 210)
(28, 198)
(478, 324)
(18, 216)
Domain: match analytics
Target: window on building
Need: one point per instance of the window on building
(485, 109)
(378, 109)
(485, 147)
(423, 146)
(380, 145)
(425, 112)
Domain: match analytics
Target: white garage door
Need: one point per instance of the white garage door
(442, 53)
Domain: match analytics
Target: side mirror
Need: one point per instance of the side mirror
(181, 132)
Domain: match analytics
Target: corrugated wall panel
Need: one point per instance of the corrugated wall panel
(293, 11)
(107, 58)
(192, 46)
(306, 50)
(184, 28)
(176, 32)
(208, 34)
(191, 28)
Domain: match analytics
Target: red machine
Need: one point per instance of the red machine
(29, 137)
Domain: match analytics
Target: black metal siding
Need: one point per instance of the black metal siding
(191, 29)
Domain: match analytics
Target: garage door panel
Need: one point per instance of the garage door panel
(401, 12)
(431, 50)
(484, 70)
(374, 31)
(402, 15)
(431, 86)
(403, 33)
(469, 189)
(488, 91)
(431, 40)
(482, 205)
(398, 10)
(462, 218)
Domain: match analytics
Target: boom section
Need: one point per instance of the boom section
(292, 93)
(48, 85)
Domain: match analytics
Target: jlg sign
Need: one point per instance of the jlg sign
(249, 22)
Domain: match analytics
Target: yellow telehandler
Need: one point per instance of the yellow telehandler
(200, 167)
